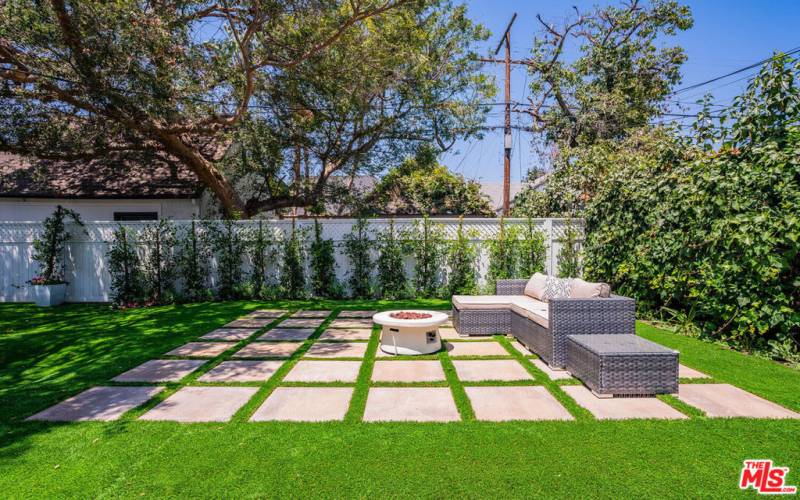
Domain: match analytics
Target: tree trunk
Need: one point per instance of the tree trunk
(209, 175)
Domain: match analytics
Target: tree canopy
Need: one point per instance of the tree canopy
(421, 186)
(241, 92)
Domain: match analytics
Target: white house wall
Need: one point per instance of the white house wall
(36, 209)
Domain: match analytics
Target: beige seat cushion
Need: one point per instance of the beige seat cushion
(535, 310)
(462, 302)
(535, 286)
(580, 289)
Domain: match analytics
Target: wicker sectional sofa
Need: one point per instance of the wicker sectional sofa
(542, 327)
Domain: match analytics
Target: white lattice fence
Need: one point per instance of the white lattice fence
(86, 262)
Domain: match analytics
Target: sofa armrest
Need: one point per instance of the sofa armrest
(510, 287)
(612, 315)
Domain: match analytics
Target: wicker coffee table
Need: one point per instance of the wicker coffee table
(622, 365)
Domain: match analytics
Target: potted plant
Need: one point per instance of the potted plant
(49, 287)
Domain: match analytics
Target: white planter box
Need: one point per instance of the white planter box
(49, 295)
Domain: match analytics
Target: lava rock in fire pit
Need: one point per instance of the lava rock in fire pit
(410, 315)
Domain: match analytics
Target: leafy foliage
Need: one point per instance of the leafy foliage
(48, 248)
(227, 247)
(462, 263)
(192, 261)
(357, 247)
(127, 283)
(323, 266)
(159, 269)
(425, 241)
(421, 186)
(392, 281)
(708, 226)
(293, 276)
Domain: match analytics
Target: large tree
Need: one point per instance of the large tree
(182, 81)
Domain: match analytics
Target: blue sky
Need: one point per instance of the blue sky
(727, 35)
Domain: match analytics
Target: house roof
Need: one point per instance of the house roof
(106, 178)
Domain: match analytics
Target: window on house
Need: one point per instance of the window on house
(133, 216)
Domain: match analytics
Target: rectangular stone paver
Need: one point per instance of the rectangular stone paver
(324, 371)
(337, 350)
(267, 350)
(357, 314)
(346, 334)
(408, 371)
(621, 408)
(305, 404)
(301, 323)
(160, 370)
(476, 349)
(311, 314)
(201, 349)
(450, 333)
(686, 372)
(201, 404)
(725, 400)
(267, 313)
(499, 404)
(521, 348)
(287, 334)
(351, 323)
(418, 404)
(479, 370)
(241, 371)
(551, 374)
(250, 323)
(98, 403)
(230, 334)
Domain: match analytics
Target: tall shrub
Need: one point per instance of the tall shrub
(357, 247)
(48, 248)
(323, 265)
(392, 281)
(532, 250)
(227, 246)
(193, 255)
(124, 268)
(159, 266)
(427, 244)
(293, 276)
(462, 263)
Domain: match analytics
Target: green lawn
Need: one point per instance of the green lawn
(48, 355)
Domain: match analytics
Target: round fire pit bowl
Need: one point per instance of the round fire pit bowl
(410, 332)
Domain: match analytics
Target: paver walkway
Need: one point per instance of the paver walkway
(307, 365)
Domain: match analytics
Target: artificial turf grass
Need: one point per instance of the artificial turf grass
(696, 457)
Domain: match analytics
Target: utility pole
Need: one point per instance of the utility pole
(507, 142)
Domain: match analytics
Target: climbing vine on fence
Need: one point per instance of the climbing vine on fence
(462, 263)
(532, 250)
(392, 281)
(192, 263)
(228, 247)
(357, 247)
(323, 266)
(124, 268)
(426, 244)
(158, 265)
(260, 249)
(293, 276)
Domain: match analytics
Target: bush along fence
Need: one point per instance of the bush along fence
(181, 261)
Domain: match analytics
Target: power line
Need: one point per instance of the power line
(735, 72)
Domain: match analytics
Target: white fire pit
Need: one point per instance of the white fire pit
(410, 332)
